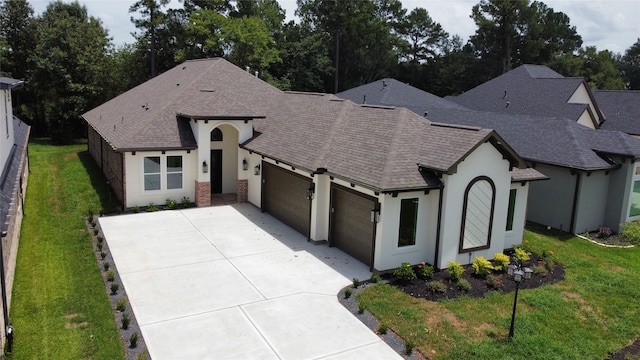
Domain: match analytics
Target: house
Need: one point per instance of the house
(14, 165)
(622, 108)
(381, 183)
(593, 173)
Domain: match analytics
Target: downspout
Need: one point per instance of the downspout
(437, 254)
(574, 210)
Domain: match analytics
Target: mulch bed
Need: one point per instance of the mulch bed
(479, 286)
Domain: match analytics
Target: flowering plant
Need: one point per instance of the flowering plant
(424, 271)
(604, 232)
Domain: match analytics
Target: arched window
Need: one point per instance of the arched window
(216, 134)
(477, 215)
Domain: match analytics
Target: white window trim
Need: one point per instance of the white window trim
(164, 172)
(635, 177)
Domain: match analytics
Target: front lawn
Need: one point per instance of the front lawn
(591, 313)
(60, 309)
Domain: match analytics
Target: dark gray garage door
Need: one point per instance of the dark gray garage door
(351, 228)
(284, 195)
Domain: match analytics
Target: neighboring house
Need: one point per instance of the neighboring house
(594, 176)
(14, 166)
(380, 183)
(622, 108)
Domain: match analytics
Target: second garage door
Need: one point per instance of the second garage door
(351, 228)
(284, 195)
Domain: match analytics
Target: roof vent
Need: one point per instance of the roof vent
(248, 69)
(384, 84)
(257, 74)
(364, 99)
(426, 113)
(508, 103)
(505, 94)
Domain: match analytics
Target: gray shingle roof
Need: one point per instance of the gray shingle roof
(622, 109)
(10, 176)
(373, 146)
(527, 90)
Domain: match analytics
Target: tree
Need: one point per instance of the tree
(424, 36)
(597, 67)
(515, 32)
(71, 74)
(629, 66)
(152, 17)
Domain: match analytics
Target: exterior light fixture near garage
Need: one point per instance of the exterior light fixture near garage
(256, 170)
(311, 191)
(245, 164)
(205, 167)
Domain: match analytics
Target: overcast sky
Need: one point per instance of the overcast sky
(606, 24)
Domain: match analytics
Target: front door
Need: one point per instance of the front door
(216, 171)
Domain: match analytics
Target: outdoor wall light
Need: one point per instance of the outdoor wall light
(245, 164)
(310, 191)
(205, 167)
(517, 273)
(256, 170)
(375, 215)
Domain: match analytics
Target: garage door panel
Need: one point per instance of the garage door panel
(352, 230)
(284, 197)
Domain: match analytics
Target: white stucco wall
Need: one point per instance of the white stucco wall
(581, 96)
(484, 161)
(136, 196)
(551, 201)
(388, 255)
(254, 181)
(320, 208)
(618, 199)
(230, 160)
(592, 200)
(516, 234)
(6, 127)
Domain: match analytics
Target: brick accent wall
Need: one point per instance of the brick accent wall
(110, 162)
(242, 191)
(203, 194)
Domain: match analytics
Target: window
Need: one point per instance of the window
(635, 199)
(174, 172)
(157, 168)
(477, 215)
(151, 173)
(408, 222)
(216, 134)
(512, 206)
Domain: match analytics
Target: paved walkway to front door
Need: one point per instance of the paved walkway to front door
(230, 282)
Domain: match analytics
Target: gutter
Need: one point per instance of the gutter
(437, 253)
(574, 209)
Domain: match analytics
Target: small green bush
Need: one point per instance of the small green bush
(121, 304)
(184, 203)
(375, 278)
(170, 204)
(361, 308)
(464, 285)
(383, 328)
(436, 286)
(93, 223)
(103, 255)
(347, 293)
(539, 270)
(425, 272)
(455, 270)
(356, 283)
(114, 288)
(96, 231)
(631, 232)
(135, 209)
(521, 256)
(152, 207)
(126, 320)
(408, 347)
(100, 238)
(481, 266)
(99, 246)
(404, 273)
(111, 275)
(495, 281)
(549, 264)
(133, 340)
(500, 262)
(106, 265)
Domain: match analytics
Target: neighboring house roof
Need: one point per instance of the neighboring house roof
(526, 90)
(373, 146)
(10, 176)
(9, 83)
(622, 108)
(549, 140)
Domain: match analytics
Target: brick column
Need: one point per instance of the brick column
(203, 194)
(242, 191)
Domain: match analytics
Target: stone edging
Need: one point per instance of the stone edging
(605, 245)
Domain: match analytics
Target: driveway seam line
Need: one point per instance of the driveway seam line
(275, 352)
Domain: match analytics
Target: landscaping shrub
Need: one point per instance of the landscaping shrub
(100, 238)
(404, 273)
(408, 347)
(360, 308)
(136, 209)
(152, 207)
(96, 231)
(105, 266)
(500, 262)
(481, 266)
(455, 270)
(375, 278)
(93, 223)
(100, 246)
(539, 270)
(356, 283)
(495, 281)
(126, 319)
(103, 255)
(436, 286)
(521, 256)
(114, 288)
(184, 203)
(464, 285)
(121, 304)
(111, 275)
(133, 340)
(631, 232)
(170, 204)
(425, 272)
(604, 232)
(347, 293)
(382, 328)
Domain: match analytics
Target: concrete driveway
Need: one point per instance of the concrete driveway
(230, 282)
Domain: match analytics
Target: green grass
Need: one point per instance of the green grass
(592, 312)
(60, 309)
